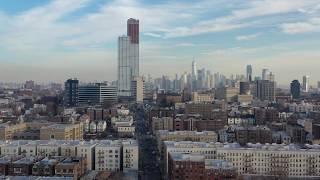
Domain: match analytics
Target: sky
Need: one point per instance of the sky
(49, 41)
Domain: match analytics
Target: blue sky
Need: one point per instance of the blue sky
(53, 40)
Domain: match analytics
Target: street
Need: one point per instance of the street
(148, 151)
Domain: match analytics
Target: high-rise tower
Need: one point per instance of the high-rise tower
(133, 34)
(295, 89)
(264, 74)
(133, 30)
(128, 59)
(305, 83)
(249, 73)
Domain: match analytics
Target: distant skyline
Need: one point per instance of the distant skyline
(50, 41)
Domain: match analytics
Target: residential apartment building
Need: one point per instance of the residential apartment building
(130, 154)
(62, 132)
(259, 159)
(108, 156)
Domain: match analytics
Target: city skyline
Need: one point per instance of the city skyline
(56, 40)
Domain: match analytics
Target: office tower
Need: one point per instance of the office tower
(265, 90)
(194, 76)
(305, 83)
(194, 70)
(295, 89)
(264, 74)
(245, 88)
(137, 89)
(184, 81)
(71, 92)
(216, 80)
(318, 85)
(249, 73)
(128, 59)
(209, 80)
(270, 76)
(97, 94)
(133, 30)
(133, 33)
(124, 67)
(176, 84)
(201, 78)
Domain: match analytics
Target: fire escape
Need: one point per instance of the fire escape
(279, 165)
(311, 166)
(248, 160)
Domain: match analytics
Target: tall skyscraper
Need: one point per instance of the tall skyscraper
(71, 92)
(128, 59)
(133, 30)
(194, 76)
(124, 66)
(133, 33)
(265, 90)
(295, 89)
(264, 74)
(305, 83)
(194, 70)
(249, 73)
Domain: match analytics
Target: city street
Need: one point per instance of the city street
(149, 165)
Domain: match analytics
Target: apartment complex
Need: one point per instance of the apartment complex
(116, 155)
(62, 132)
(261, 159)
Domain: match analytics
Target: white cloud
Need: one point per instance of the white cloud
(155, 35)
(47, 35)
(248, 37)
(311, 25)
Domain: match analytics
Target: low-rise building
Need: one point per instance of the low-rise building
(72, 167)
(23, 166)
(62, 132)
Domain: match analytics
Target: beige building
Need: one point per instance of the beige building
(204, 136)
(198, 97)
(164, 123)
(137, 89)
(229, 94)
(9, 130)
(62, 132)
(245, 99)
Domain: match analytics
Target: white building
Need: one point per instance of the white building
(11, 147)
(50, 148)
(107, 156)
(69, 148)
(29, 149)
(305, 83)
(130, 155)
(101, 126)
(260, 159)
(86, 149)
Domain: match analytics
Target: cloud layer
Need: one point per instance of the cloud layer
(68, 36)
